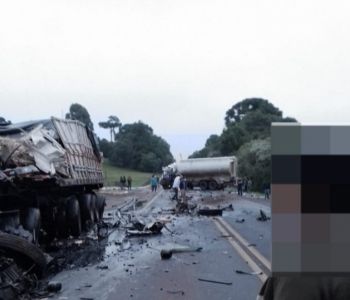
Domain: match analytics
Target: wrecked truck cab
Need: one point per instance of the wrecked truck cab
(50, 170)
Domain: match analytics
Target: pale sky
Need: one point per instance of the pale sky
(177, 65)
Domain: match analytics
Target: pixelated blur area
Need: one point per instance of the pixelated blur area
(310, 200)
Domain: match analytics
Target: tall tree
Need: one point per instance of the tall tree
(239, 110)
(136, 147)
(112, 123)
(80, 113)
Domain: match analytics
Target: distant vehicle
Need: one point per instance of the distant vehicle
(211, 173)
(50, 170)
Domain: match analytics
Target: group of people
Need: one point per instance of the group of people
(125, 182)
(243, 185)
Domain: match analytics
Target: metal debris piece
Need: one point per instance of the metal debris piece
(168, 253)
(54, 286)
(176, 292)
(210, 212)
(263, 217)
(240, 220)
(215, 281)
(248, 273)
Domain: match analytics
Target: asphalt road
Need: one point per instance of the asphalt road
(138, 272)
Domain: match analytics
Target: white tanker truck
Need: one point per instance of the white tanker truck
(207, 173)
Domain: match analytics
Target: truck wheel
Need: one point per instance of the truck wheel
(16, 247)
(73, 216)
(203, 185)
(32, 223)
(61, 223)
(87, 212)
(94, 207)
(213, 185)
(100, 205)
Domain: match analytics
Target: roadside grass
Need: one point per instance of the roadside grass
(112, 175)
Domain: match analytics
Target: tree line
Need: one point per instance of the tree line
(247, 135)
(133, 146)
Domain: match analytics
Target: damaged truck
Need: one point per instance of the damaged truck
(50, 170)
(211, 173)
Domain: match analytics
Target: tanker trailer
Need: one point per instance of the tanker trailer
(50, 170)
(207, 173)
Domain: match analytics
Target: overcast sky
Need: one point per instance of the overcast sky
(177, 65)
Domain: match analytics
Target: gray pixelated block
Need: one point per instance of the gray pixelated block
(315, 257)
(286, 228)
(286, 257)
(339, 140)
(315, 228)
(340, 229)
(315, 140)
(340, 261)
(286, 139)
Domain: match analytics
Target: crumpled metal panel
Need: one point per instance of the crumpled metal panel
(84, 166)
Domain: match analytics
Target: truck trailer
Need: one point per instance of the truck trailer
(50, 170)
(211, 173)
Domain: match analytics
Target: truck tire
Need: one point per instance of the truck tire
(203, 185)
(213, 185)
(61, 222)
(18, 247)
(32, 223)
(73, 216)
(87, 213)
(94, 207)
(100, 205)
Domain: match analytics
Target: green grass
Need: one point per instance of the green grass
(112, 175)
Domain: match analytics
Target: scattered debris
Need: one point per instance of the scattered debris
(215, 281)
(251, 245)
(145, 230)
(210, 212)
(182, 293)
(263, 217)
(228, 208)
(240, 220)
(168, 253)
(54, 286)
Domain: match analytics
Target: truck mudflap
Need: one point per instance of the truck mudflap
(29, 256)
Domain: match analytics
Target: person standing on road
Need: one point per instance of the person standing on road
(176, 187)
(240, 187)
(183, 186)
(154, 183)
(129, 182)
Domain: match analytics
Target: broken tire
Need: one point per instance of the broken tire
(203, 185)
(24, 252)
(32, 223)
(73, 216)
(213, 186)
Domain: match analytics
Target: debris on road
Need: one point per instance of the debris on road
(152, 228)
(54, 286)
(240, 220)
(248, 273)
(182, 293)
(215, 281)
(263, 217)
(210, 212)
(167, 253)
